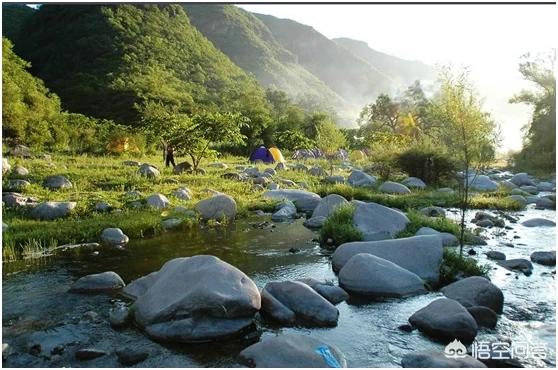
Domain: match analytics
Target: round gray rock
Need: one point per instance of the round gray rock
(377, 222)
(218, 207)
(328, 205)
(305, 201)
(52, 210)
(361, 179)
(368, 275)
(292, 350)
(97, 283)
(521, 179)
(432, 359)
(537, 222)
(218, 300)
(414, 182)
(57, 182)
(547, 258)
(157, 201)
(114, 237)
(394, 188)
(476, 291)
(447, 320)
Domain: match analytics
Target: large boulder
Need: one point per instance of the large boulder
(157, 201)
(148, 171)
(518, 199)
(52, 210)
(434, 359)
(414, 182)
(113, 236)
(447, 239)
(422, 255)
(98, 283)
(484, 316)
(361, 179)
(521, 179)
(325, 207)
(57, 182)
(279, 299)
(305, 201)
(537, 222)
(545, 186)
(545, 203)
(377, 222)
(446, 319)
(476, 291)
(332, 293)
(482, 183)
(367, 275)
(394, 188)
(194, 299)
(292, 350)
(517, 264)
(547, 258)
(218, 207)
(508, 185)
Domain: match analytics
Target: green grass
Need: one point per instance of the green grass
(417, 220)
(339, 226)
(454, 266)
(105, 178)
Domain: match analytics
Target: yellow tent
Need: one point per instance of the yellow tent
(276, 153)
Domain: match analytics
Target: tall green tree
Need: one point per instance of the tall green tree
(329, 139)
(539, 144)
(467, 130)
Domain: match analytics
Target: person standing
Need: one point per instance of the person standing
(168, 154)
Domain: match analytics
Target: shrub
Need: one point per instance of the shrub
(418, 220)
(454, 266)
(339, 226)
(427, 163)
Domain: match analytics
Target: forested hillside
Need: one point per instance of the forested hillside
(250, 44)
(14, 17)
(108, 61)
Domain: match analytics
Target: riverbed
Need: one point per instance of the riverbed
(37, 308)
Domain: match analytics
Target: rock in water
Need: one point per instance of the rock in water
(483, 183)
(52, 210)
(114, 237)
(476, 291)
(286, 210)
(292, 350)
(446, 238)
(130, 356)
(447, 320)
(368, 275)
(325, 207)
(484, 316)
(85, 354)
(521, 179)
(432, 359)
(98, 283)
(218, 301)
(57, 182)
(547, 258)
(377, 222)
(422, 255)
(517, 264)
(536, 222)
(297, 297)
(304, 201)
(332, 293)
(218, 207)
(119, 315)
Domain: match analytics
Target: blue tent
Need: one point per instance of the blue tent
(262, 154)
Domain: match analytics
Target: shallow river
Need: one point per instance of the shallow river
(36, 307)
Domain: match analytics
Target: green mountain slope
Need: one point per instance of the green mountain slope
(106, 60)
(400, 71)
(14, 17)
(250, 44)
(346, 74)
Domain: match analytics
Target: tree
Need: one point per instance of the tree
(467, 130)
(382, 115)
(329, 139)
(539, 144)
(293, 140)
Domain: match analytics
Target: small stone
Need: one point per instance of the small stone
(294, 250)
(89, 353)
(406, 328)
(130, 356)
(119, 315)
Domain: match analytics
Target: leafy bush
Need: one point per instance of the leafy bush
(339, 226)
(454, 266)
(293, 140)
(418, 220)
(427, 163)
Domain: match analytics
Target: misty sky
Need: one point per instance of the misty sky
(488, 39)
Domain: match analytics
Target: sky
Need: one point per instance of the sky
(487, 39)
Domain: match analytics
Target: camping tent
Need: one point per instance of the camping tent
(262, 154)
(277, 155)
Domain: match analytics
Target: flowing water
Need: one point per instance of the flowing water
(36, 307)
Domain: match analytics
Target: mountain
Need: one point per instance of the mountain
(14, 17)
(250, 44)
(106, 60)
(348, 75)
(400, 71)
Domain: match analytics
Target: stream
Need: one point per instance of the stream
(37, 308)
